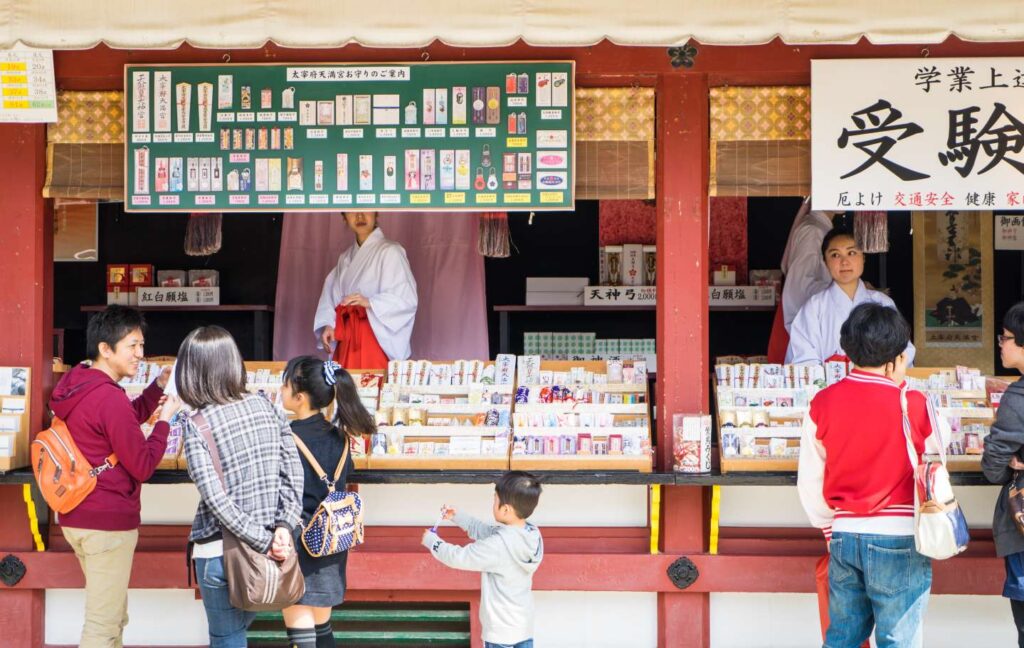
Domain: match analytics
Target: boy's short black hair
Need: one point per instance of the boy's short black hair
(1013, 322)
(874, 335)
(110, 326)
(834, 233)
(520, 490)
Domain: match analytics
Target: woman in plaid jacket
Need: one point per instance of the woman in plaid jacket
(264, 478)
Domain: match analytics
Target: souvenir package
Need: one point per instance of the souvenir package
(294, 174)
(692, 443)
(761, 408)
(203, 278)
(172, 278)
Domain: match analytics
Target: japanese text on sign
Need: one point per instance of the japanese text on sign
(943, 135)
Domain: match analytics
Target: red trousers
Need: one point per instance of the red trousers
(357, 346)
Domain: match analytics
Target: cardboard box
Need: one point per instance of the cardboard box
(118, 274)
(556, 284)
(554, 298)
(121, 295)
(724, 275)
(141, 274)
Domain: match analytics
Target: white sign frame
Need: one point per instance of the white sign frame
(874, 120)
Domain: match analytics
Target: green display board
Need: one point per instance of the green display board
(397, 136)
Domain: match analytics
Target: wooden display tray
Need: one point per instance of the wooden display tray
(637, 463)
(444, 462)
(744, 464)
(21, 456)
(961, 463)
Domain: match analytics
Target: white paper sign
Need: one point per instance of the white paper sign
(620, 296)
(28, 92)
(1009, 232)
(918, 134)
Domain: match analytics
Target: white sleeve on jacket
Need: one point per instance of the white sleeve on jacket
(810, 480)
(485, 555)
(474, 528)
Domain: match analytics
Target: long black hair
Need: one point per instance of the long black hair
(312, 376)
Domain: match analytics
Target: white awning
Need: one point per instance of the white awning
(75, 24)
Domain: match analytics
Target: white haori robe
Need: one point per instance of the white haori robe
(378, 270)
(802, 262)
(814, 336)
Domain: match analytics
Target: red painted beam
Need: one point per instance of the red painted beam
(26, 265)
(682, 334)
(418, 572)
(383, 539)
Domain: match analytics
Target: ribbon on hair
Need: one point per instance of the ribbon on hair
(330, 368)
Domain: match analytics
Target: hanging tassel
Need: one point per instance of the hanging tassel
(494, 239)
(871, 230)
(203, 234)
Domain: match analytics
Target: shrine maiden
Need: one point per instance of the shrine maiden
(814, 333)
(368, 304)
(804, 274)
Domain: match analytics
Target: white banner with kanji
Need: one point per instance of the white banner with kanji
(917, 134)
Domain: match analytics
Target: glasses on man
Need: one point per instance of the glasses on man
(1004, 338)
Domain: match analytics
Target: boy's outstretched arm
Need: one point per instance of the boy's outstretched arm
(474, 528)
(483, 555)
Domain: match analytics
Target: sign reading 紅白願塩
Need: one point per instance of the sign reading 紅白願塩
(918, 134)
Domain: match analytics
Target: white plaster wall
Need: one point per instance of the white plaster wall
(596, 620)
(419, 504)
(791, 621)
(155, 618)
(779, 506)
(169, 503)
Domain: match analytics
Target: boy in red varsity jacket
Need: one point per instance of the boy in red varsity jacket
(856, 484)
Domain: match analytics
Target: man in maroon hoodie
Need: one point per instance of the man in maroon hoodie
(104, 528)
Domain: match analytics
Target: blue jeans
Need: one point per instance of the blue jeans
(522, 644)
(880, 581)
(227, 624)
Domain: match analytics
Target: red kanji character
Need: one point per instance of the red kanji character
(899, 199)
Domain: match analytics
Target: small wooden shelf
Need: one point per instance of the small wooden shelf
(248, 308)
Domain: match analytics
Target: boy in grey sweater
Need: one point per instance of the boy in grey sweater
(507, 554)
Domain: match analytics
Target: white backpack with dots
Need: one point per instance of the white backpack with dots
(337, 524)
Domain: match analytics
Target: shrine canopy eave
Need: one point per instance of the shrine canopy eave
(128, 24)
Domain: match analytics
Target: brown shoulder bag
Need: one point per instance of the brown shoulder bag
(256, 582)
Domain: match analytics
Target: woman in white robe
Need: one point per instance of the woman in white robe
(814, 333)
(373, 281)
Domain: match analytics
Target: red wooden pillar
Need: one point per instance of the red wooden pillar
(682, 199)
(26, 317)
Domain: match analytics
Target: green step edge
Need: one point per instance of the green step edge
(384, 615)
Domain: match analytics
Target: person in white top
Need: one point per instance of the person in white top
(814, 332)
(368, 302)
(806, 273)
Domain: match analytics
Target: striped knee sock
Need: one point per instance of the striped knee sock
(301, 637)
(325, 636)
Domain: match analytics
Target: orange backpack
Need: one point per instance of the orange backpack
(64, 475)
